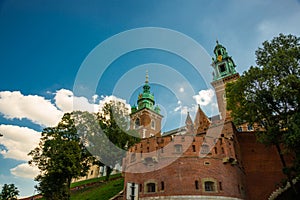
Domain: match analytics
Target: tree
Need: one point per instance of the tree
(114, 122)
(269, 94)
(9, 192)
(107, 134)
(60, 157)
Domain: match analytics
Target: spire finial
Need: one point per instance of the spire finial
(147, 77)
(217, 41)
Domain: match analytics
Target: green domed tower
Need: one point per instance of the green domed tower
(224, 72)
(146, 117)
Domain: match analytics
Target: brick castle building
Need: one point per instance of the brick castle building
(208, 158)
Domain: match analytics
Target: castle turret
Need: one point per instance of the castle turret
(146, 117)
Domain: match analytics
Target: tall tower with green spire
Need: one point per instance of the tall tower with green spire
(224, 72)
(146, 117)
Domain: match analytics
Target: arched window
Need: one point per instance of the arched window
(137, 123)
(152, 124)
(151, 187)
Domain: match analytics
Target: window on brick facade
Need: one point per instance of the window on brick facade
(220, 186)
(222, 149)
(197, 185)
(152, 124)
(239, 129)
(162, 185)
(194, 148)
(150, 187)
(209, 186)
(204, 149)
(132, 159)
(250, 127)
(178, 148)
(141, 188)
(137, 123)
(182, 138)
(216, 150)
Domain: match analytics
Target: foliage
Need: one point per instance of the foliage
(114, 122)
(107, 133)
(9, 192)
(60, 157)
(268, 95)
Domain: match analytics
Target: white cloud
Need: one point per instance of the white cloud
(35, 108)
(18, 141)
(25, 171)
(107, 99)
(67, 102)
(204, 97)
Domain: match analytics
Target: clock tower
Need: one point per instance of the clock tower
(145, 118)
(224, 72)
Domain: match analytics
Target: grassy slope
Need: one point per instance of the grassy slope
(104, 192)
(94, 180)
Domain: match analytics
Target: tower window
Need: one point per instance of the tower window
(219, 52)
(152, 124)
(222, 68)
(150, 187)
(137, 123)
(209, 186)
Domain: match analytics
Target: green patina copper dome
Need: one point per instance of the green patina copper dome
(146, 99)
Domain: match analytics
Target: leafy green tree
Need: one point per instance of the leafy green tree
(107, 134)
(60, 157)
(9, 192)
(114, 122)
(269, 94)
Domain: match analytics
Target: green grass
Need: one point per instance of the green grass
(104, 191)
(93, 180)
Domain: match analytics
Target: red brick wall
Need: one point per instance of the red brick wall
(262, 167)
(179, 172)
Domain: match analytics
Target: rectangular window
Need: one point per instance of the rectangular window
(209, 186)
(150, 187)
(162, 184)
(194, 148)
(216, 150)
(222, 68)
(204, 149)
(161, 149)
(178, 148)
(220, 186)
(197, 185)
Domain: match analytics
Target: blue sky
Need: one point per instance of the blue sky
(45, 44)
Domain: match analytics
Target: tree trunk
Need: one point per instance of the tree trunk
(108, 172)
(288, 173)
